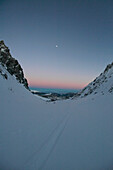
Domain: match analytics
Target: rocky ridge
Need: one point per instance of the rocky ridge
(102, 84)
(11, 65)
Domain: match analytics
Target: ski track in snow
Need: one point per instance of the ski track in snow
(55, 140)
(47, 147)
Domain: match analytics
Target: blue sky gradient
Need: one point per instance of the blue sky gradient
(82, 29)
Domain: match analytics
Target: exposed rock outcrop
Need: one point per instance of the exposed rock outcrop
(11, 64)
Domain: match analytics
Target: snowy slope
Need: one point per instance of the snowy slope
(26, 123)
(102, 84)
(67, 135)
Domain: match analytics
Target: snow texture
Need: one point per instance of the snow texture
(65, 135)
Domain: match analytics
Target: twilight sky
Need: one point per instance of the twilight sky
(59, 43)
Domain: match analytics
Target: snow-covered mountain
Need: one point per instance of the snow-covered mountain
(101, 85)
(11, 64)
(66, 135)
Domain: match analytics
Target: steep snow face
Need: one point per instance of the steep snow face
(102, 84)
(11, 64)
(9, 83)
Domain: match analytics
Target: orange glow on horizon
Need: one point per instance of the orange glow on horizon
(60, 85)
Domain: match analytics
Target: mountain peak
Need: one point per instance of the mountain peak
(11, 64)
(109, 66)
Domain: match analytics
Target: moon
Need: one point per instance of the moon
(56, 46)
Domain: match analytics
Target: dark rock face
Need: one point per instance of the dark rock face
(11, 64)
(109, 66)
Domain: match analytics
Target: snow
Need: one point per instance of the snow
(43, 98)
(67, 135)
(3, 50)
(101, 84)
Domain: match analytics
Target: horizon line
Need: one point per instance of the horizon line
(48, 87)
